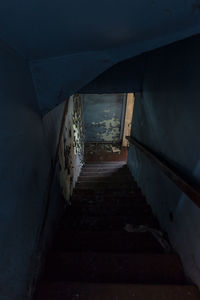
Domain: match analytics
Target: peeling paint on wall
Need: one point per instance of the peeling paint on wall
(71, 150)
(103, 116)
(111, 129)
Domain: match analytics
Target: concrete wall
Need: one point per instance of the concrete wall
(103, 117)
(24, 171)
(166, 119)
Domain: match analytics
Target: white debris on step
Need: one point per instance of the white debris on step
(116, 149)
(158, 235)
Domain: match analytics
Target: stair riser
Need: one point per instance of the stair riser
(107, 242)
(125, 268)
(95, 185)
(85, 291)
(104, 210)
(106, 223)
(108, 200)
(104, 179)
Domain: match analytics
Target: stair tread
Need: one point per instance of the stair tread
(117, 193)
(105, 163)
(78, 222)
(107, 200)
(106, 166)
(104, 179)
(95, 209)
(118, 268)
(115, 241)
(103, 170)
(92, 291)
(108, 203)
(104, 185)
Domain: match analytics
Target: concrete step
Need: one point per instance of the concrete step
(103, 223)
(115, 268)
(107, 241)
(92, 291)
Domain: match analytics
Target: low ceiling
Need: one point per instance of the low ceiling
(112, 30)
(41, 28)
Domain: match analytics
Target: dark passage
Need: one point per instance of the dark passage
(105, 248)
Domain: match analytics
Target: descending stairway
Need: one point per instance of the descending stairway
(98, 254)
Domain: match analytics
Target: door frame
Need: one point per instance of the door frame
(123, 114)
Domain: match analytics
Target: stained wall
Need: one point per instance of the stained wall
(71, 151)
(103, 116)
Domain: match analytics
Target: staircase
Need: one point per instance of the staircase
(101, 251)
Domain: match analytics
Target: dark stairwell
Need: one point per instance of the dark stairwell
(50, 50)
(109, 245)
(166, 121)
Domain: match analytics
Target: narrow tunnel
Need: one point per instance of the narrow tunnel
(86, 212)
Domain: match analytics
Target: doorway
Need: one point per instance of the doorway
(107, 121)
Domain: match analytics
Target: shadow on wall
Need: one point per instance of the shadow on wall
(71, 151)
(166, 119)
(186, 211)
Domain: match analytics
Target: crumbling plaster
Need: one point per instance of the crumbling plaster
(71, 151)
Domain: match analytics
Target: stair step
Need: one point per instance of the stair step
(116, 192)
(109, 197)
(107, 242)
(99, 209)
(92, 291)
(112, 169)
(103, 223)
(103, 185)
(105, 170)
(106, 163)
(108, 202)
(112, 179)
(116, 268)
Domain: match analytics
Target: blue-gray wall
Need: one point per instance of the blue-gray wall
(103, 116)
(24, 171)
(166, 119)
(119, 79)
